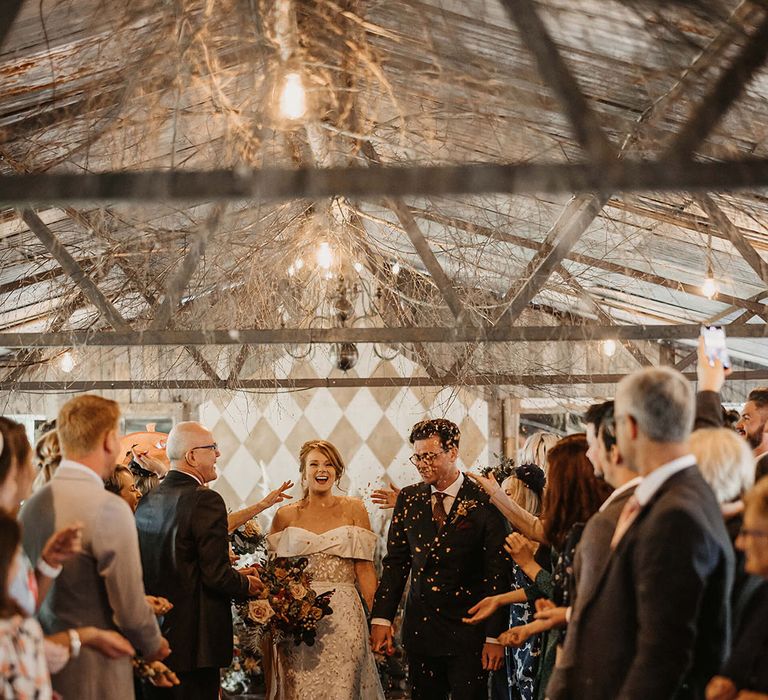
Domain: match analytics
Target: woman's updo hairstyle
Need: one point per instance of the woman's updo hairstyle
(330, 452)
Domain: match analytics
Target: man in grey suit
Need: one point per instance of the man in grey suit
(102, 586)
(656, 622)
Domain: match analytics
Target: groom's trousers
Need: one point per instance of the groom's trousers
(441, 677)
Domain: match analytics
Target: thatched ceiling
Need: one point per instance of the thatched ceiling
(93, 86)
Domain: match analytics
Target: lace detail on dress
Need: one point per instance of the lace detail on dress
(331, 569)
(340, 666)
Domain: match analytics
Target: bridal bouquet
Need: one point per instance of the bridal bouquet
(287, 607)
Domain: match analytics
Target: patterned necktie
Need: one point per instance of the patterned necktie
(627, 517)
(438, 510)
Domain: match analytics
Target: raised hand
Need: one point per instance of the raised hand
(487, 483)
(150, 463)
(520, 548)
(386, 498)
(482, 610)
(711, 377)
(63, 545)
(159, 605)
(550, 614)
(276, 496)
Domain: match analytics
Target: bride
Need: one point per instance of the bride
(334, 533)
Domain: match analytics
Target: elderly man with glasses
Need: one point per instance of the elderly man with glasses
(184, 552)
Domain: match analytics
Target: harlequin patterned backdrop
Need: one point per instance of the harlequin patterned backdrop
(259, 435)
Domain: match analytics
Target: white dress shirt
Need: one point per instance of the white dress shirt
(650, 484)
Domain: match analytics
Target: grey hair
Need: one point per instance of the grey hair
(661, 401)
(181, 439)
(725, 461)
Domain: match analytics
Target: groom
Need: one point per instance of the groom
(448, 537)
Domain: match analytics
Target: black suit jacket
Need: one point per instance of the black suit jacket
(657, 623)
(184, 552)
(450, 571)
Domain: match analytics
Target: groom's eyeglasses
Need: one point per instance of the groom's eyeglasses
(425, 457)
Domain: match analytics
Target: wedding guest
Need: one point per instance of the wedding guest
(572, 496)
(745, 675)
(753, 427)
(535, 449)
(23, 669)
(447, 537)
(525, 486)
(102, 586)
(184, 551)
(657, 622)
(593, 550)
(121, 483)
(726, 463)
(47, 457)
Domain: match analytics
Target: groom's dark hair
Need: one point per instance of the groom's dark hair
(446, 430)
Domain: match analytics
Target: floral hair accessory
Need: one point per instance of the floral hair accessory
(532, 476)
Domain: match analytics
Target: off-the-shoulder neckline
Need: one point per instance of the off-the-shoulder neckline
(320, 534)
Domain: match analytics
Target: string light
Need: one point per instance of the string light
(609, 347)
(298, 264)
(293, 99)
(67, 362)
(291, 271)
(396, 268)
(358, 267)
(324, 256)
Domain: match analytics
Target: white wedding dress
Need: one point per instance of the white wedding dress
(340, 665)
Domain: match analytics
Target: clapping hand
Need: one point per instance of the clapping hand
(63, 545)
(159, 605)
(487, 483)
(514, 637)
(520, 548)
(482, 610)
(162, 676)
(385, 498)
(550, 614)
(721, 688)
(276, 496)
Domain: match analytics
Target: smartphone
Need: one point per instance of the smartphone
(714, 345)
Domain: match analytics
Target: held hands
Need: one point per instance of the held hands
(161, 652)
(549, 614)
(520, 548)
(255, 586)
(159, 605)
(382, 641)
(63, 545)
(482, 610)
(385, 498)
(487, 483)
(493, 656)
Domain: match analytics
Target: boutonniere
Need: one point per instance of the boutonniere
(463, 509)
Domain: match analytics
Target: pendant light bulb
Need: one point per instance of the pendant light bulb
(609, 347)
(293, 98)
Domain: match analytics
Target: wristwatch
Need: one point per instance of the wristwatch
(74, 643)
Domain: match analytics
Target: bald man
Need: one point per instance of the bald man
(184, 551)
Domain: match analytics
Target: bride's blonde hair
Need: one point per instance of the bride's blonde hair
(330, 452)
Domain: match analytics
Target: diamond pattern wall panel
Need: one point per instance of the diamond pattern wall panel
(260, 434)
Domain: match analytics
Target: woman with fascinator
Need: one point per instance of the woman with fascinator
(333, 532)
